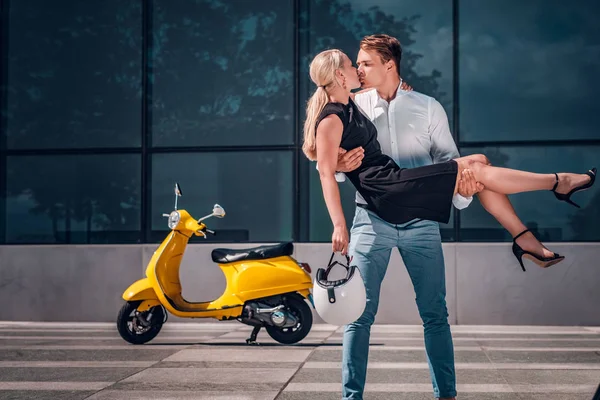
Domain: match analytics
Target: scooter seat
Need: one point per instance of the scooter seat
(224, 256)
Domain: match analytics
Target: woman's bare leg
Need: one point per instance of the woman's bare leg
(510, 181)
(499, 206)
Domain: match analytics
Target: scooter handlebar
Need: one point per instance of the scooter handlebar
(204, 230)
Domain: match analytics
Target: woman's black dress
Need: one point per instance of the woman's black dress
(395, 194)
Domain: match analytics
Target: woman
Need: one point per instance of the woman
(400, 195)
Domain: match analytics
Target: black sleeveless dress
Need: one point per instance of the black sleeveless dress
(397, 195)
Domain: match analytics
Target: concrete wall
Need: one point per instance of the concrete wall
(485, 284)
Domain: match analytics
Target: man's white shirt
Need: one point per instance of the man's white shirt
(412, 129)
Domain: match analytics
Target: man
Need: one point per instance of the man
(412, 129)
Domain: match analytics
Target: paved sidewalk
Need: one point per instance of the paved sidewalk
(211, 361)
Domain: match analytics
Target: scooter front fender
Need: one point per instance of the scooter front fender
(140, 290)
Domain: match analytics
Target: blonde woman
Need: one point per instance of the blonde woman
(400, 195)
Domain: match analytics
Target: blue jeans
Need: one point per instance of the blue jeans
(420, 245)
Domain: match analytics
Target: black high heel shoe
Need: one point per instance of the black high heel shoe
(543, 262)
(567, 196)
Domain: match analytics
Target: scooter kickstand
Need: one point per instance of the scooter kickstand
(252, 339)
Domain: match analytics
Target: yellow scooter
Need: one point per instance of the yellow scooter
(265, 287)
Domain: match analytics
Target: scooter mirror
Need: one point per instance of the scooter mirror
(177, 193)
(218, 211)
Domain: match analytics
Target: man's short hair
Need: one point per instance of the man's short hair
(386, 46)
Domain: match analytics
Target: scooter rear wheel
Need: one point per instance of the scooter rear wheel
(132, 330)
(296, 305)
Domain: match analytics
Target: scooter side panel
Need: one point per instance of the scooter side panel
(264, 278)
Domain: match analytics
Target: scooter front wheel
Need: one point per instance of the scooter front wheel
(295, 305)
(135, 327)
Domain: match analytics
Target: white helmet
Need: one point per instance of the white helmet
(343, 301)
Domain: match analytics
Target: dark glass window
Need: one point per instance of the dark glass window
(529, 70)
(235, 74)
(255, 189)
(74, 74)
(223, 73)
(73, 199)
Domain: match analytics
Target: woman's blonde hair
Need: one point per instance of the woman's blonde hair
(322, 73)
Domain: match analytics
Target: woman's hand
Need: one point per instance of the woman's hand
(339, 240)
(406, 86)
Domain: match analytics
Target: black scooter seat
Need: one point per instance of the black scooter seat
(225, 256)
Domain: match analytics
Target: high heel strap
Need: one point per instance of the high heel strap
(521, 234)
(556, 183)
(592, 174)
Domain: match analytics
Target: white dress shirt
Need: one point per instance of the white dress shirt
(412, 129)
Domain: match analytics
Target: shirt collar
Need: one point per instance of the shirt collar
(381, 102)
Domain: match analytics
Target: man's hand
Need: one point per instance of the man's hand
(467, 185)
(406, 86)
(349, 160)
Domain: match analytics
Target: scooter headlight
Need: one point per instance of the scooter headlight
(174, 218)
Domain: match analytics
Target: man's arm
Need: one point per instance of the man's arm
(444, 149)
(347, 161)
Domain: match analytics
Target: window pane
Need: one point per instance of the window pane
(534, 78)
(223, 72)
(424, 28)
(321, 227)
(254, 188)
(74, 74)
(553, 220)
(73, 199)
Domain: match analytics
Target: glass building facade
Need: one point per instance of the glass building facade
(104, 106)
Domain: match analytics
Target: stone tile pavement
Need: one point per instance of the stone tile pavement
(211, 361)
